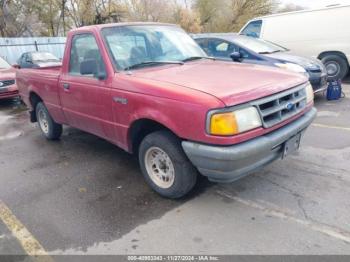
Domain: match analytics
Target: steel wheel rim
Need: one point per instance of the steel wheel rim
(159, 167)
(43, 122)
(332, 68)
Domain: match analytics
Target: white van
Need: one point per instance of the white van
(320, 33)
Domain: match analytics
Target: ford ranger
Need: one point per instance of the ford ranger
(151, 90)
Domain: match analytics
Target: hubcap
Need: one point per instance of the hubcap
(332, 68)
(159, 167)
(43, 122)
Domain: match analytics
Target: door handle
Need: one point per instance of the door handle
(66, 86)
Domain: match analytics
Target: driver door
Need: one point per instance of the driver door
(86, 100)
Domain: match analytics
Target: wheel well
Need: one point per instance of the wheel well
(140, 129)
(34, 100)
(338, 53)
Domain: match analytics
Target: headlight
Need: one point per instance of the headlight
(235, 122)
(292, 67)
(309, 93)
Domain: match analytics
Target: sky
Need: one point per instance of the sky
(314, 3)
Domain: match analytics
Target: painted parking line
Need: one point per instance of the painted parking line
(28, 242)
(333, 127)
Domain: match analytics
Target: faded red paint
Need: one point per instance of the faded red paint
(176, 96)
(11, 91)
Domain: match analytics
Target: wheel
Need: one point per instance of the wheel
(48, 126)
(165, 166)
(337, 67)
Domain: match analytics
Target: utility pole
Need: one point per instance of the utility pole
(63, 21)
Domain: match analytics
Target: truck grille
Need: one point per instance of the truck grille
(4, 83)
(278, 108)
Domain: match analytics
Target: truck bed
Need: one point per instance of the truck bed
(43, 82)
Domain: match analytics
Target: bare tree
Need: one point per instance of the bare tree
(55, 17)
(17, 18)
(289, 8)
(149, 10)
(230, 15)
(187, 19)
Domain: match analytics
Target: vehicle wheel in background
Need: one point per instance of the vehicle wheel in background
(165, 166)
(48, 126)
(337, 67)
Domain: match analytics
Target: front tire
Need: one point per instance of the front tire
(165, 166)
(50, 129)
(337, 67)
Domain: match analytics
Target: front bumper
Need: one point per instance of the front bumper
(229, 163)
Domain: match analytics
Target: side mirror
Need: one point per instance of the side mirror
(90, 67)
(236, 56)
(16, 66)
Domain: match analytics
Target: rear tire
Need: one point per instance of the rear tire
(50, 129)
(165, 166)
(337, 67)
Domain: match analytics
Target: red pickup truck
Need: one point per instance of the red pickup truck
(149, 89)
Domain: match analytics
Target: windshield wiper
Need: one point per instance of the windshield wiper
(191, 58)
(151, 63)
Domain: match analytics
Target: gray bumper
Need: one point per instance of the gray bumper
(229, 163)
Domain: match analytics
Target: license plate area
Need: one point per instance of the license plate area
(291, 145)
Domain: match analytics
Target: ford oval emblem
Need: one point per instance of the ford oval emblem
(289, 106)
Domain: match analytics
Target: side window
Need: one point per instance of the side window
(244, 54)
(84, 48)
(29, 57)
(253, 29)
(221, 48)
(203, 43)
(21, 59)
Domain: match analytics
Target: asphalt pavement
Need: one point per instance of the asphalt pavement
(82, 195)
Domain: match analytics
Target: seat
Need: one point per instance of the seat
(137, 55)
(95, 55)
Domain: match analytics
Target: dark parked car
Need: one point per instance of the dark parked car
(246, 49)
(38, 59)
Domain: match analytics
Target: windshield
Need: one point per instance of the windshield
(258, 45)
(132, 45)
(44, 57)
(4, 64)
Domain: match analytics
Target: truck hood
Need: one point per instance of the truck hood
(232, 83)
(7, 74)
